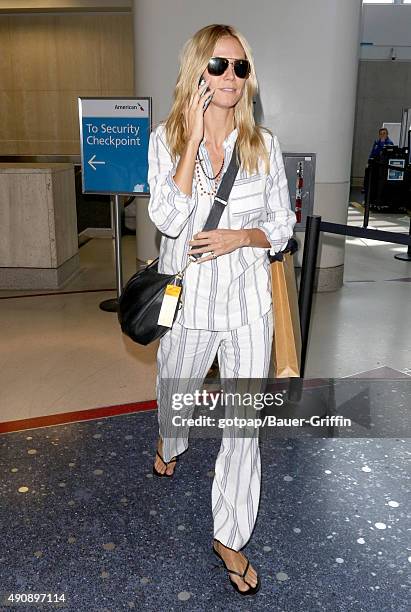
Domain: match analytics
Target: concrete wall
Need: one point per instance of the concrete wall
(306, 60)
(384, 89)
(386, 26)
(384, 85)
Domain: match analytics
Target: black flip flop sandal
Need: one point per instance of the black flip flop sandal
(252, 590)
(159, 474)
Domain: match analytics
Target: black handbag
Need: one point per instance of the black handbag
(141, 298)
(140, 302)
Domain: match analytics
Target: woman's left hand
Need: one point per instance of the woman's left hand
(218, 242)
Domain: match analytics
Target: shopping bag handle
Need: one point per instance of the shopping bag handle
(292, 247)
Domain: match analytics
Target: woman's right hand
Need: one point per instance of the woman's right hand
(194, 114)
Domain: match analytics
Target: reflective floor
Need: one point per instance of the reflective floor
(72, 356)
(82, 515)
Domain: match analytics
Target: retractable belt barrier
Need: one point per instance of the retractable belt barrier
(312, 233)
(362, 232)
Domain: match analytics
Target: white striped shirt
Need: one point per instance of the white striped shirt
(234, 289)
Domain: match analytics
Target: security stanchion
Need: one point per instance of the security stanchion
(305, 297)
(367, 202)
(314, 226)
(406, 256)
(112, 304)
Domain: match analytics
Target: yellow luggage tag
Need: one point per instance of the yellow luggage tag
(170, 300)
(169, 305)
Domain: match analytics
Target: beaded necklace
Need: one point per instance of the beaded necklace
(215, 178)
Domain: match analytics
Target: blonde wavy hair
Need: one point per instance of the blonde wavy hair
(193, 61)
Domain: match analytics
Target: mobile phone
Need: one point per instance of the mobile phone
(208, 100)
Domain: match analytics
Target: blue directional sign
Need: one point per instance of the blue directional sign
(114, 137)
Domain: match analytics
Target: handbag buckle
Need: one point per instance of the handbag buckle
(181, 273)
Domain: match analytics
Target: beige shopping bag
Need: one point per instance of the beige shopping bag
(287, 331)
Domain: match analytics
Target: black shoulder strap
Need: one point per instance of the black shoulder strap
(221, 199)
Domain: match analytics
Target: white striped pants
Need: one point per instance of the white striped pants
(184, 358)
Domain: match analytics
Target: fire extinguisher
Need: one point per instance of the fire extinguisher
(299, 191)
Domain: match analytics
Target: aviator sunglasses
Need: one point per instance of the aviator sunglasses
(218, 65)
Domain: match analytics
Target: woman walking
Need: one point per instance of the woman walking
(227, 305)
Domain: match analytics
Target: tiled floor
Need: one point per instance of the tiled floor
(72, 356)
(82, 514)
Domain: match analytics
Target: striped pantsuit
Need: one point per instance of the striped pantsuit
(184, 358)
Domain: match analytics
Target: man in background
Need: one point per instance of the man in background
(382, 141)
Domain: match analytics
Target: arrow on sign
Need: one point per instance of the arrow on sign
(92, 162)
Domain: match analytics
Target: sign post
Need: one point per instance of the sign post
(114, 137)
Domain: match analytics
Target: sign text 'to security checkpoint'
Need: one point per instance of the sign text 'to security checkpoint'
(114, 136)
